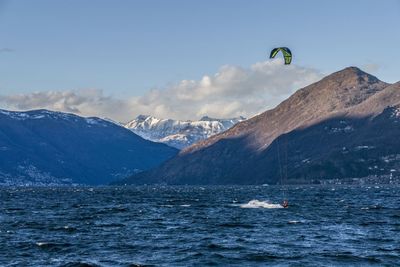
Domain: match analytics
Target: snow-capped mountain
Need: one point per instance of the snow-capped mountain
(178, 133)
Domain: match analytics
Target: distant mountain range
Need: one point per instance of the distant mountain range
(345, 125)
(178, 133)
(42, 147)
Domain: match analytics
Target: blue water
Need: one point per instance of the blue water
(200, 226)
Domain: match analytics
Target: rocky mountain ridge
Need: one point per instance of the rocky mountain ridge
(318, 133)
(42, 147)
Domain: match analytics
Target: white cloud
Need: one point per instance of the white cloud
(233, 91)
(87, 102)
(370, 67)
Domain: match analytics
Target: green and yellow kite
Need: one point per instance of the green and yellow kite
(287, 54)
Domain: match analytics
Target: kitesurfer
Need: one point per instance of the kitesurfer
(287, 55)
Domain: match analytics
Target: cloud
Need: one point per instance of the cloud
(370, 67)
(87, 102)
(6, 50)
(232, 91)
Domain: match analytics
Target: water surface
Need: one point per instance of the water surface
(200, 226)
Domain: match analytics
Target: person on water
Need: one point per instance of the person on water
(285, 203)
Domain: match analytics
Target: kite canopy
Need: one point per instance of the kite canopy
(287, 54)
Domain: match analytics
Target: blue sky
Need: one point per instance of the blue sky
(126, 48)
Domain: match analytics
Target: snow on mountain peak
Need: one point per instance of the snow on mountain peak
(36, 114)
(48, 114)
(179, 133)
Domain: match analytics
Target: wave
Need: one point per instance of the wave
(254, 204)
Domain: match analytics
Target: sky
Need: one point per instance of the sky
(184, 59)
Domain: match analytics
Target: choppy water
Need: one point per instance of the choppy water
(187, 226)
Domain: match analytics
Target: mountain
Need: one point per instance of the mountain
(43, 147)
(345, 125)
(177, 133)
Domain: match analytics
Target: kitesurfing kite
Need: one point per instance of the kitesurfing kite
(287, 54)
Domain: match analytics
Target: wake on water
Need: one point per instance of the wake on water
(255, 204)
